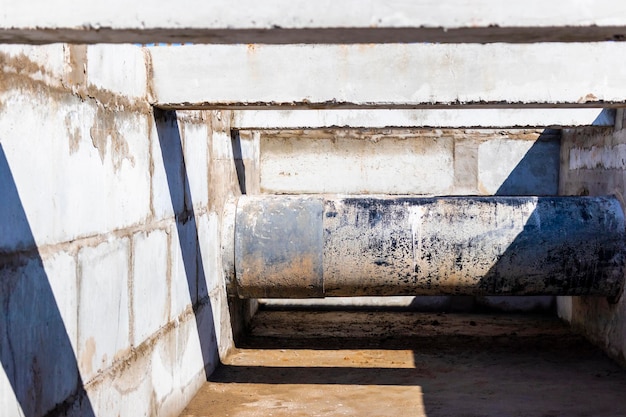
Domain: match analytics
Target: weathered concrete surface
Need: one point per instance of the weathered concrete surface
(272, 21)
(592, 164)
(388, 76)
(435, 118)
(356, 162)
(379, 363)
(112, 299)
(313, 246)
(284, 242)
(403, 161)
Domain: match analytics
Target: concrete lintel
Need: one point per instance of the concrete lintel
(301, 21)
(409, 76)
(436, 118)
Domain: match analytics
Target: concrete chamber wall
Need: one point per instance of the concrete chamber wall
(112, 300)
(594, 163)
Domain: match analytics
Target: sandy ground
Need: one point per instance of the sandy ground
(333, 363)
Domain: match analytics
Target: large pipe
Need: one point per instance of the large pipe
(285, 247)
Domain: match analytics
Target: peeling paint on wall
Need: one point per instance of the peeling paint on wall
(598, 157)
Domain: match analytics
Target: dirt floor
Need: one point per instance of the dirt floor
(356, 363)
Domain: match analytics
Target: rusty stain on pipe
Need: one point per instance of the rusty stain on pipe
(311, 246)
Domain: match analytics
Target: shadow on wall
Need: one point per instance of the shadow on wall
(552, 243)
(240, 167)
(35, 349)
(537, 174)
(171, 147)
(538, 171)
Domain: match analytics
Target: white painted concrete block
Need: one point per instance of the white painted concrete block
(518, 167)
(247, 154)
(222, 319)
(126, 394)
(183, 252)
(92, 166)
(221, 145)
(40, 62)
(61, 271)
(150, 284)
(496, 161)
(246, 143)
(120, 69)
(210, 276)
(388, 164)
(161, 380)
(162, 363)
(196, 162)
(103, 311)
(197, 344)
(177, 370)
(33, 327)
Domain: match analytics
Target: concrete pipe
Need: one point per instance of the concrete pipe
(286, 247)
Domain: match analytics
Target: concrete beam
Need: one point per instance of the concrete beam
(406, 76)
(302, 21)
(435, 118)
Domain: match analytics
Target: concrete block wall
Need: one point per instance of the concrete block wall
(409, 161)
(593, 162)
(111, 294)
(405, 161)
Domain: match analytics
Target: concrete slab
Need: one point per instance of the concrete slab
(300, 21)
(436, 118)
(405, 76)
(365, 363)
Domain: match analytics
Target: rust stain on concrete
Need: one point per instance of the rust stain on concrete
(21, 64)
(76, 66)
(151, 96)
(587, 98)
(105, 136)
(18, 72)
(73, 133)
(87, 356)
